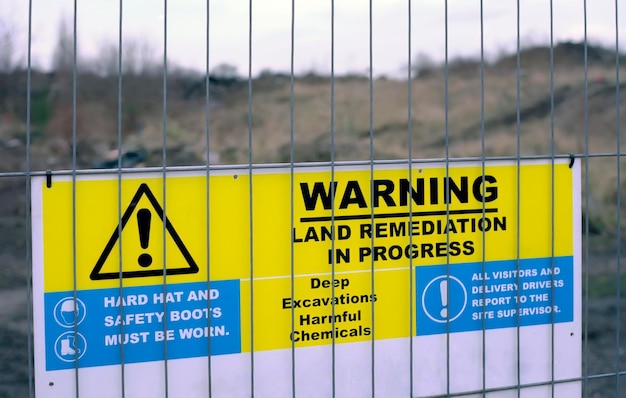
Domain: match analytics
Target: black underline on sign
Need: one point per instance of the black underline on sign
(398, 215)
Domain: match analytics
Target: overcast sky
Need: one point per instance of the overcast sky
(98, 24)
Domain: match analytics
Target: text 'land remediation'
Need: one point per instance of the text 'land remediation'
(393, 194)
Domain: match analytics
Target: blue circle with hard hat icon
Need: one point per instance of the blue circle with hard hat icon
(69, 311)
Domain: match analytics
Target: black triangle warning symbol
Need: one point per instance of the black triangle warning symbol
(190, 267)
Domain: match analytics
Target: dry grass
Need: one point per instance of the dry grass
(459, 121)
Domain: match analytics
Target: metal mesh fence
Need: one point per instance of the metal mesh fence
(140, 118)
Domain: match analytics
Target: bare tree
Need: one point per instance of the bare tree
(105, 64)
(9, 36)
(63, 56)
(8, 64)
(137, 58)
(423, 65)
(7, 48)
(225, 71)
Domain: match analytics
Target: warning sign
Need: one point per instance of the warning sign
(434, 258)
(145, 260)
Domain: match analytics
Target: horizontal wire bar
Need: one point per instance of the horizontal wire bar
(528, 385)
(271, 166)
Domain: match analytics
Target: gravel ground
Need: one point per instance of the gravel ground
(14, 373)
(602, 350)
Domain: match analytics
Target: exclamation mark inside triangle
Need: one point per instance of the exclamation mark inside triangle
(144, 216)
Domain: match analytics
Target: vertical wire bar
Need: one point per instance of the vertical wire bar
(552, 204)
(250, 209)
(164, 178)
(207, 136)
(292, 186)
(74, 168)
(519, 185)
(482, 171)
(585, 379)
(28, 219)
(619, 203)
(119, 189)
(371, 138)
(332, 181)
(447, 160)
(410, 164)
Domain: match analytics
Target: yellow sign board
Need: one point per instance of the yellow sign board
(285, 258)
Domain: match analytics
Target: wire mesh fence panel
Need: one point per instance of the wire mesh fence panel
(282, 199)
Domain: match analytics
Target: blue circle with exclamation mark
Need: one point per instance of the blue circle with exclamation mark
(144, 218)
(444, 299)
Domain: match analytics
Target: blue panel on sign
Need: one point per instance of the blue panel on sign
(93, 326)
(466, 297)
